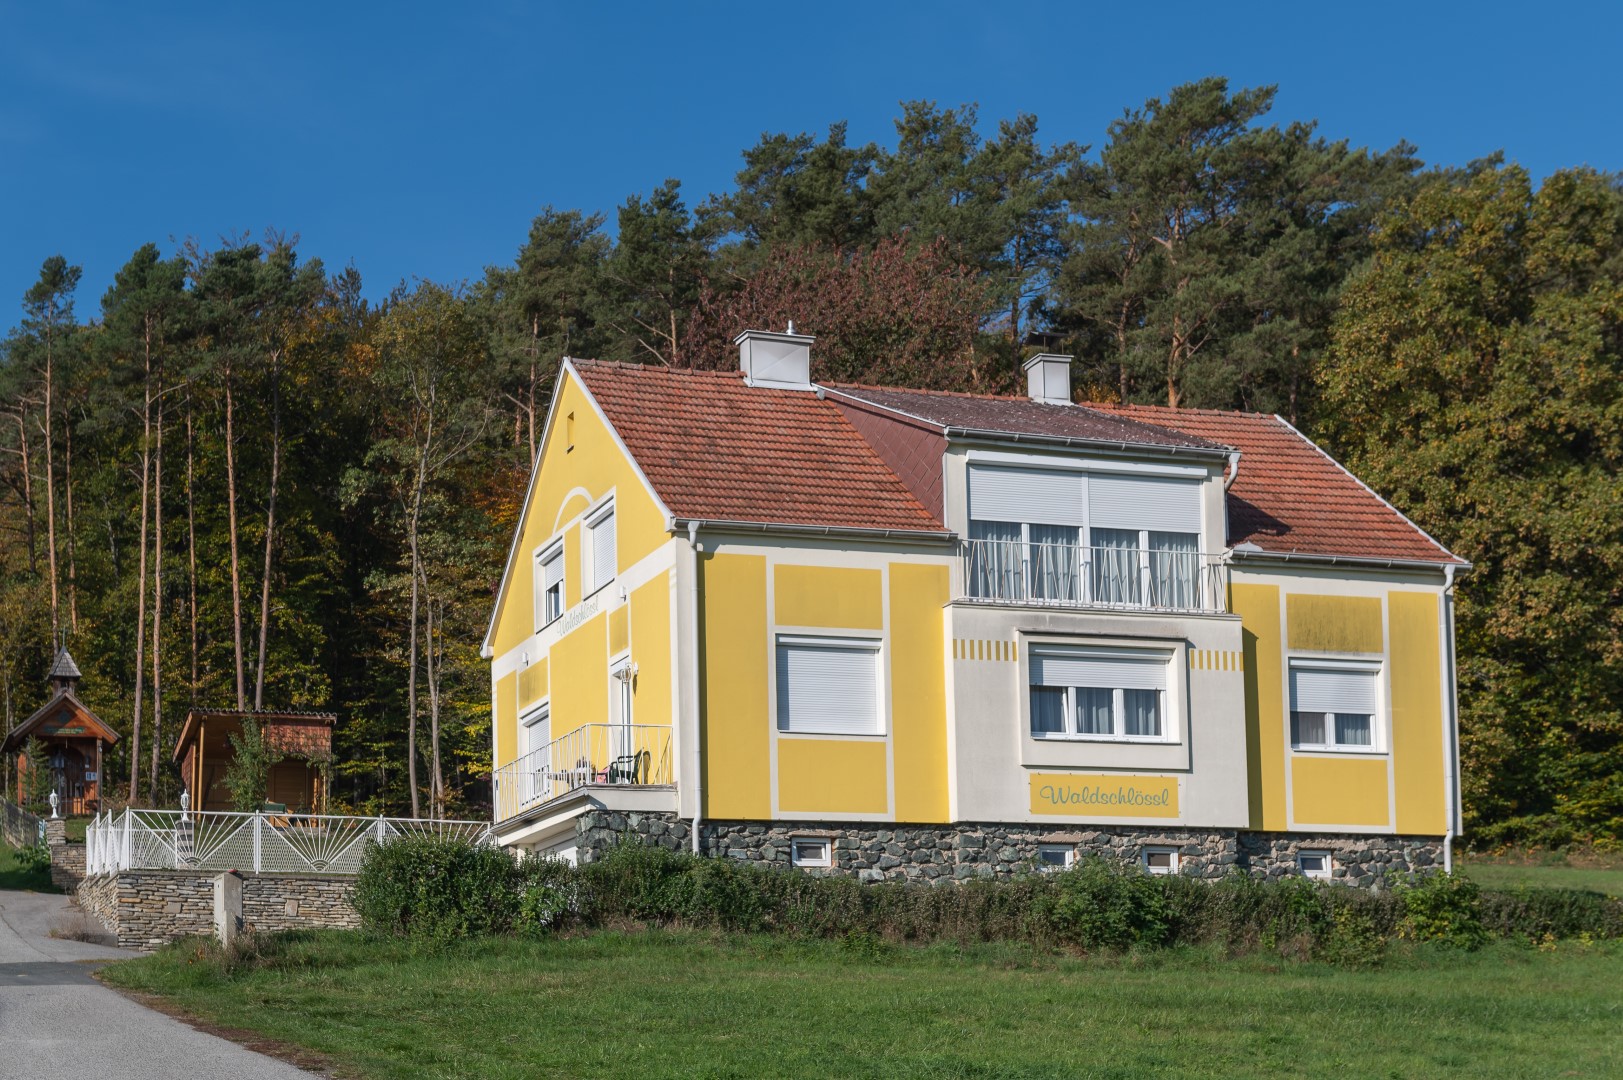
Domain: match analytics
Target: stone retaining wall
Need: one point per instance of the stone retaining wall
(144, 908)
(18, 827)
(940, 853)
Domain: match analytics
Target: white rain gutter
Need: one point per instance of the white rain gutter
(1234, 469)
(1451, 715)
(693, 683)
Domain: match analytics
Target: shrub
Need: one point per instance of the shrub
(1443, 908)
(1562, 913)
(1110, 904)
(35, 858)
(434, 889)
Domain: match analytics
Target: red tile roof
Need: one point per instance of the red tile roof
(717, 449)
(1290, 497)
(1020, 416)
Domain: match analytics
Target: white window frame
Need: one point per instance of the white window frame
(534, 716)
(592, 578)
(873, 646)
(544, 555)
(825, 859)
(1316, 853)
(1066, 853)
(1174, 861)
(1377, 720)
(1118, 711)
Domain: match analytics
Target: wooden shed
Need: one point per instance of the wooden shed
(73, 737)
(298, 781)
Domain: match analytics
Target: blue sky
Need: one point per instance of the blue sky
(419, 140)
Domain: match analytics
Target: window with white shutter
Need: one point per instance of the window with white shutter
(600, 558)
(549, 584)
(828, 686)
(1334, 706)
(1100, 693)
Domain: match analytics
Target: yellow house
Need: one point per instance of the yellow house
(900, 633)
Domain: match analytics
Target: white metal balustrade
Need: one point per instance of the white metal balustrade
(590, 754)
(1071, 575)
(275, 843)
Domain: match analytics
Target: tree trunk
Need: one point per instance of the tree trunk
(231, 515)
(191, 542)
(141, 578)
(157, 596)
(28, 491)
(50, 472)
(411, 652)
(73, 561)
(432, 670)
(270, 531)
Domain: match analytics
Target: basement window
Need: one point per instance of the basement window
(811, 851)
(1056, 856)
(1314, 864)
(1161, 860)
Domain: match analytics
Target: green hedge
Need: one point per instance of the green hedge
(437, 889)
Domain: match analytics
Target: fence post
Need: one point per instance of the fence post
(128, 853)
(258, 818)
(380, 830)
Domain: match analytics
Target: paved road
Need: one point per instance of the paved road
(56, 1021)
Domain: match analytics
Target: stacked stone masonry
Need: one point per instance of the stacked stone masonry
(144, 908)
(942, 853)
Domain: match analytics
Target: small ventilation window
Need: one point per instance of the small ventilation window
(811, 851)
(1314, 864)
(1161, 860)
(1056, 856)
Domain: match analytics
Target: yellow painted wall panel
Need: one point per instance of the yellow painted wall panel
(1266, 734)
(918, 686)
(504, 715)
(581, 696)
(1339, 791)
(1418, 751)
(828, 596)
(1333, 623)
(737, 753)
(831, 776)
(651, 650)
(532, 683)
(619, 632)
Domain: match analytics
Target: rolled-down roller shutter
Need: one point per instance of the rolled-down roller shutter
(1113, 670)
(1332, 690)
(829, 687)
(1158, 503)
(1037, 496)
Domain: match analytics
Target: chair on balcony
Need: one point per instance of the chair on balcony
(627, 768)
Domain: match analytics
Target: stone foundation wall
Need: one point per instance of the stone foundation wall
(940, 853)
(67, 866)
(144, 908)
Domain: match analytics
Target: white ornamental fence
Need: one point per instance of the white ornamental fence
(270, 843)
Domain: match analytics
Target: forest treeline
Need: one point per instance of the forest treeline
(233, 481)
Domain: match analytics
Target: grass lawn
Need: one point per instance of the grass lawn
(1598, 873)
(13, 876)
(688, 1004)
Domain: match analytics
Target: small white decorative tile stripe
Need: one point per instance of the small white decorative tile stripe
(1216, 660)
(984, 649)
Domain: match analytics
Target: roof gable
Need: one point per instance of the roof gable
(64, 716)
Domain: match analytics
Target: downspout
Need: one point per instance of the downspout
(1451, 717)
(1234, 469)
(693, 686)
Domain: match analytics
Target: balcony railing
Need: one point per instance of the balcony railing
(590, 754)
(1070, 575)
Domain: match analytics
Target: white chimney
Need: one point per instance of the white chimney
(1048, 379)
(780, 360)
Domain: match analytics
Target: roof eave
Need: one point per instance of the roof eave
(1121, 446)
(680, 523)
(1372, 561)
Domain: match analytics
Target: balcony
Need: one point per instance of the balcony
(590, 755)
(1111, 578)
